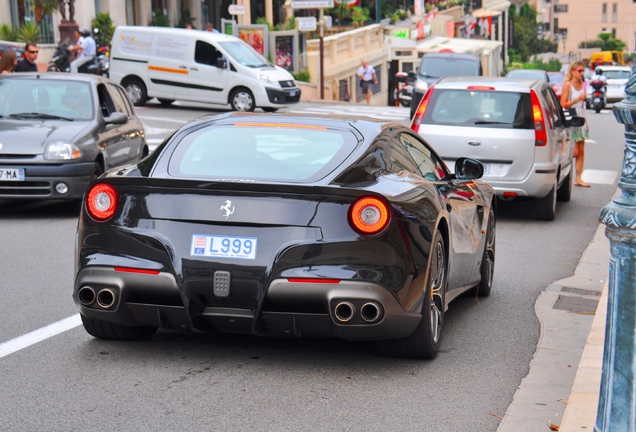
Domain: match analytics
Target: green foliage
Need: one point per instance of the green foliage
(159, 19)
(526, 42)
(8, 33)
(289, 24)
(605, 42)
(186, 18)
(43, 8)
(395, 18)
(341, 11)
(29, 32)
(105, 29)
(302, 76)
(359, 15)
(553, 65)
(591, 44)
(263, 20)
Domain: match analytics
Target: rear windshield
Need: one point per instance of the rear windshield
(476, 108)
(436, 67)
(617, 74)
(294, 153)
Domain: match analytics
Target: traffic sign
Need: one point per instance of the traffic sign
(235, 9)
(311, 4)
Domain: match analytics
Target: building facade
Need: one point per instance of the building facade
(577, 21)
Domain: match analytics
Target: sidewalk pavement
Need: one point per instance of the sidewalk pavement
(561, 389)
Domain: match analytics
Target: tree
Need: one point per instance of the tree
(103, 28)
(43, 8)
(359, 15)
(610, 43)
(526, 42)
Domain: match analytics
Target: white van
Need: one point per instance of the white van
(193, 65)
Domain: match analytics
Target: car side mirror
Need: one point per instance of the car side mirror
(221, 63)
(468, 169)
(116, 118)
(576, 122)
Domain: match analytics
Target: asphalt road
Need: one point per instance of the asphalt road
(185, 381)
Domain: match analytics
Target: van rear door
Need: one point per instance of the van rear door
(208, 82)
(168, 65)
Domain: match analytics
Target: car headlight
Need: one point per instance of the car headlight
(62, 150)
(421, 85)
(266, 79)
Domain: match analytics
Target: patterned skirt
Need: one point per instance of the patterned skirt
(580, 134)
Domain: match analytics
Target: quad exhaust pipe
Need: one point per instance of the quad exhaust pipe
(87, 296)
(345, 311)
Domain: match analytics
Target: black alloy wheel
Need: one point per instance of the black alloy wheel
(487, 268)
(425, 341)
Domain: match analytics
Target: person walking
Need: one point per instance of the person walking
(27, 64)
(8, 61)
(573, 96)
(368, 78)
(86, 50)
(209, 27)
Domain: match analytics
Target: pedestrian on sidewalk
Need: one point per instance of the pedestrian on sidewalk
(8, 61)
(573, 97)
(368, 78)
(27, 64)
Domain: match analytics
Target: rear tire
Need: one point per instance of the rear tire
(136, 90)
(269, 109)
(109, 331)
(565, 191)
(166, 101)
(487, 269)
(546, 207)
(425, 340)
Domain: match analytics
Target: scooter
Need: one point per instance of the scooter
(406, 93)
(60, 62)
(599, 98)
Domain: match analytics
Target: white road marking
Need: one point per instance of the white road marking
(599, 176)
(39, 335)
(590, 141)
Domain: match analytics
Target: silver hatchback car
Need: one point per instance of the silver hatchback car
(515, 127)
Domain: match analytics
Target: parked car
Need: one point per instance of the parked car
(556, 80)
(515, 127)
(60, 131)
(286, 226)
(199, 66)
(534, 74)
(19, 51)
(441, 64)
(617, 77)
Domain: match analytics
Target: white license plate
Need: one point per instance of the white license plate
(486, 169)
(11, 174)
(292, 93)
(223, 246)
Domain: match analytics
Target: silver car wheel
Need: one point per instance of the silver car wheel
(242, 100)
(134, 92)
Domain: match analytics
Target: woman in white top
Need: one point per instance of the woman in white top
(573, 96)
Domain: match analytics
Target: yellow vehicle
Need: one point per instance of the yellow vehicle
(607, 58)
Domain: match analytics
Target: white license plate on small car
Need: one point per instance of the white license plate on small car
(11, 174)
(223, 246)
(292, 93)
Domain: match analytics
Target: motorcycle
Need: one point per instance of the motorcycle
(406, 93)
(599, 98)
(61, 62)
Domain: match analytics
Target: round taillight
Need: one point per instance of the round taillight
(101, 202)
(369, 215)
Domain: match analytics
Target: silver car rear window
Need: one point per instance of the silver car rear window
(478, 108)
(276, 152)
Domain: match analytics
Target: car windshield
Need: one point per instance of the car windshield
(617, 74)
(244, 54)
(474, 108)
(285, 152)
(436, 67)
(45, 99)
(556, 78)
(527, 74)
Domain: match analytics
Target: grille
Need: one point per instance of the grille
(286, 84)
(31, 188)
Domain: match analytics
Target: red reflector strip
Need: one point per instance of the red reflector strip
(313, 280)
(480, 88)
(136, 270)
(510, 194)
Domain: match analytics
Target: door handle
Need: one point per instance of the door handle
(474, 143)
(183, 67)
(194, 69)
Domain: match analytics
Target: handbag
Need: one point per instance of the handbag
(569, 112)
